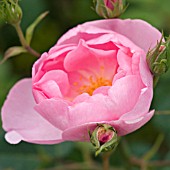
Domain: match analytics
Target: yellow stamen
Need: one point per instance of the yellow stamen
(94, 84)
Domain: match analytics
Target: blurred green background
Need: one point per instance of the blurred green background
(63, 15)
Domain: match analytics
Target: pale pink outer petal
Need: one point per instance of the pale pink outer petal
(124, 93)
(113, 41)
(38, 64)
(140, 32)
(97, 108)
(126, 123)
(142, 106)
(146, 76)
(123, 127)
(55, 111)
(22, 122)
(62, 116)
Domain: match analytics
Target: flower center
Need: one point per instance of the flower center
(94, 83)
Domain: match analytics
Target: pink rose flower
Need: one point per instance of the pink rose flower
(96, 73)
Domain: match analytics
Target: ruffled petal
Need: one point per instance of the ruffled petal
(125, 93)
(53, 84)
(140, 32)
(123, 127)
(142, 106)
(55, 111)
(97, 108)
(81, 59)
(22, 122)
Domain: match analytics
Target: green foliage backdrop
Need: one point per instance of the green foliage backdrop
(63, 15)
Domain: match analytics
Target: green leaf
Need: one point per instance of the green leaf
(31, 28)
(13, 51)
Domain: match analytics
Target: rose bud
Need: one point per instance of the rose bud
(109, 8)
(104, 138)
(10, 11)
(158, 58)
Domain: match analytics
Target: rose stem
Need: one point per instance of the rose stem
(23, 41)
(106, 157)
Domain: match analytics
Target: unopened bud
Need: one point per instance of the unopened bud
(104, 138)
(10, 11)
(109, 8)
(158, 58)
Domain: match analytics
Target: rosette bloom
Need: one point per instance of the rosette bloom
(96, 73)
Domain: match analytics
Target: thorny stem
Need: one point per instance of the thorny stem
(23, 41)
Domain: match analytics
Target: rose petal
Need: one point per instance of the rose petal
(125, 93)
(124, 61)
(102, 90)
(140, 32)
(38, 64)
(146, 76)
(97, 108)
(142, 106)
(91, 62)
(50, 61)
(81, 58)
(13, 137)
(54, 83)
(55, 111)
(81, 132)
(22, 122)
(81, 98)
(124, 127)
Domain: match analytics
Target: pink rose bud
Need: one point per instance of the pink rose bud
(157, 58)
(109, 8)
(104, 138)
(109, 3)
